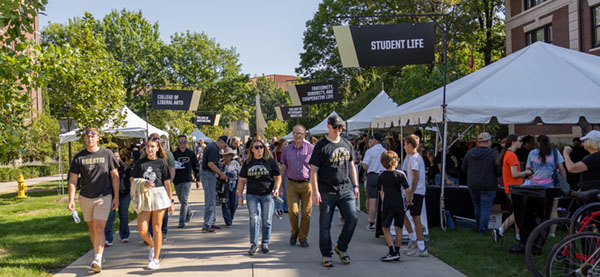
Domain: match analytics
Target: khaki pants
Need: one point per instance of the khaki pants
(299, 191)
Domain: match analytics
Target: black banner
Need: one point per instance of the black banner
(174, 99)
(205, 119)
(293, 112)
(393, 44)
(318, 93)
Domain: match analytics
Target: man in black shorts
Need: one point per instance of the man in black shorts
(334, 184)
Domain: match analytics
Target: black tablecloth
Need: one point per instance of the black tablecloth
(533, 205)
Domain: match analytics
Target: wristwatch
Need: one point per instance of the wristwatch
(172, 200)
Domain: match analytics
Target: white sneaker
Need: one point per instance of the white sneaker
(370, 227)
(96, 265)
(151, 254)
(412, 244)
(108, 243)
(418, 252)
(153, 264)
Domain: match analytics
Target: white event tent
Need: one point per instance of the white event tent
(135, 127)
(552, 83)
(198, 135)
(382, 103)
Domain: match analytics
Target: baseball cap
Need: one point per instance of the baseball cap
(223, 138)
(593, 135)
(378, 136)
(485, 136)
(335, 121)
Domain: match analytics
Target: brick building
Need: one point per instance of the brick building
(573, 24)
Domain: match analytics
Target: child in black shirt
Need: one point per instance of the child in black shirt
(390, 185)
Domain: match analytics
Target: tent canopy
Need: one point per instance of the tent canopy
(135, 127)
(556, 84)
(380, 104)
(321, 128)
(198, 135)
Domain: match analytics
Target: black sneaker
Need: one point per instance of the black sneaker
(293, 239)
(390, 257)
(215, 227)
(253, 249)
(208, 230)
(326, 262)
(343, 256)
(264, 248)
(496, 236)
(303, 243)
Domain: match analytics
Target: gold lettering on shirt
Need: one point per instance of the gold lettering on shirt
(90, 161)
(258, 171)
(340, 155)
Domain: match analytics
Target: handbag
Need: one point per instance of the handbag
(559, 180)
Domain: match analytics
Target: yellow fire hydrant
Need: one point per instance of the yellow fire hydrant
(22, 187)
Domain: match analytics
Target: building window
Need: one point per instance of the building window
(532, 3)
(541, 34)
(596, 26)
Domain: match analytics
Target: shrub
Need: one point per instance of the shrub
(9, 173)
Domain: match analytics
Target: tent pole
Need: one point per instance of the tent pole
(60, 165)
(443, 219)
(402, 147)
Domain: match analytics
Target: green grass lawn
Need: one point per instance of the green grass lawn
(475, 255)
(37, 234)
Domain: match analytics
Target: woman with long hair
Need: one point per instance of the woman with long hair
(155, 170)
(261, 173)
(281, 207)
(511, 176)
(541, 162)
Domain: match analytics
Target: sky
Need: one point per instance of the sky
(267, 34)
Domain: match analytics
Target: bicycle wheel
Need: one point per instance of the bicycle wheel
(585, 219)
(576, 255)
(540, 242)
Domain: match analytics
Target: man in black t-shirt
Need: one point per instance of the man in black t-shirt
(186, 164)
(99, 179)
(209, 173)
(334, 183)
(523, 152)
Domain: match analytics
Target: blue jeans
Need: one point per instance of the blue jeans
(283, 206)
(209, 184)
(345, 201)
(183, 194)
(482, 201)
(123, 220)
(231, 205)
(163, 228)
(260, 206)
(438, 180)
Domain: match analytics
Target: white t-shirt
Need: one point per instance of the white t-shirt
(415, 162)
(372, 158)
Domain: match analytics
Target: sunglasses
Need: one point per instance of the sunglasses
(153, 139)
(257, 147)
(182, 140)
(90, 133)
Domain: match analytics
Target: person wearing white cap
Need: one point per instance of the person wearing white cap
(589, 167)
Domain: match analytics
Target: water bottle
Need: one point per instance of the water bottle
(75, 217)
(150, 175)
(278, 199)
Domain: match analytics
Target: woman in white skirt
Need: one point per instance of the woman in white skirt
(155, 170)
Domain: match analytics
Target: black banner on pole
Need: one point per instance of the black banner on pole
(381, 45)
(317, 93)
(185, 100)
(292, 112)
(207, 119)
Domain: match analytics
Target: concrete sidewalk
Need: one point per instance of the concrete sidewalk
(13, 186)
(188, 252)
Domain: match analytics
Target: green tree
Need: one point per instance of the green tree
(135, 42)
(82, 78)
(320, 59)
(18, 72)
(276, 128)
(174, 122)
(41, 138)
(271, 96)
(196, 62)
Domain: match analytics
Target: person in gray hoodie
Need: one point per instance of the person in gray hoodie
(482, 179)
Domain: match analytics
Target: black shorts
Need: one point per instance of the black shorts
(388, 216)
(372, 179)
(417, 206)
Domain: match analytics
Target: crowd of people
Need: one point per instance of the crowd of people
(290, 177)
